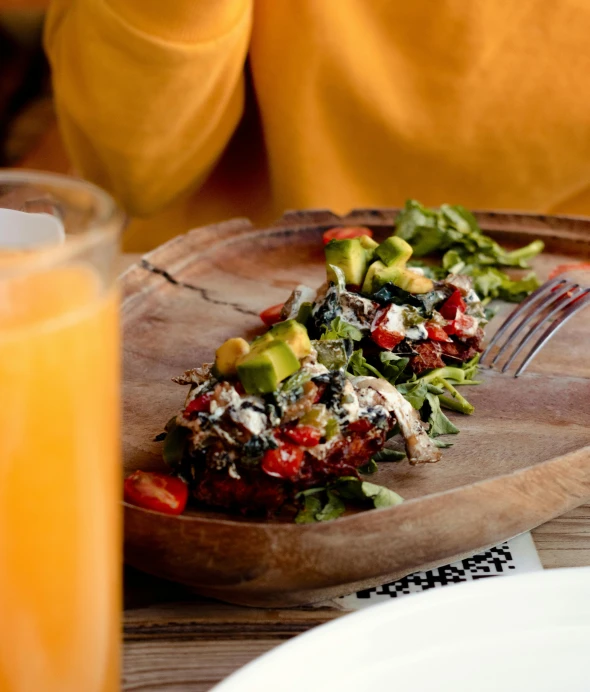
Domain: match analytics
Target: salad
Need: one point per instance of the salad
(357, 372)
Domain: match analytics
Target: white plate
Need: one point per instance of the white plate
(529, 632)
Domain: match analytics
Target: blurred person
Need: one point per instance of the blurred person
(192, 111)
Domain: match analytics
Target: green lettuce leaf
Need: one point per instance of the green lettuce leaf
(439, 423)
(339, 329)
(387, 454)
(354, 489)
(369, 468)
(358, 366)
(454, 231)
(415, 391)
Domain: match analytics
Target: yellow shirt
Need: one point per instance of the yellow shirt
(192, 111)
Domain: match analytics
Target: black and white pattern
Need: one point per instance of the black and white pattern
(515, 556)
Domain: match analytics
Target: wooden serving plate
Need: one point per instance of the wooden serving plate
(519, 461)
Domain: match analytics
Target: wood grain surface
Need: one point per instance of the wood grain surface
(517, 462)
(176, 640)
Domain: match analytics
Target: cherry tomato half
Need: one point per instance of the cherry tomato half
(156, 491)
(562, 268)
(304, 435)
(453, 304)
(436, 332)
(272, 315)
(283, 462)
(346, 232)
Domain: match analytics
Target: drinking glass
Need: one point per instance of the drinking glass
(60, 523)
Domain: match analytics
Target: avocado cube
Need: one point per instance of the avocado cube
(368, 243)
(261, 341)
(350, 256)
(295, 334)
(379, 275)
(412, 282)
(394, 251)
(261, 371)
(228, 354)
(370, 246)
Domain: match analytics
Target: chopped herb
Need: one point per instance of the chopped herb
(339, 329)
(332, 429)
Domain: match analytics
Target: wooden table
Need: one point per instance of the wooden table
(175, 640)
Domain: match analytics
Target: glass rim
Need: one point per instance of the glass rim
(106, 225)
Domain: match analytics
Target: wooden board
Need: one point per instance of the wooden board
(519, 461)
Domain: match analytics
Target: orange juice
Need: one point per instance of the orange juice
(59, 484)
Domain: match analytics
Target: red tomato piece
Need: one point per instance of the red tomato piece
(284, 462)
(156, 491)
(382, 336)
(436, 332)
(362, 425)
(272, 315)
(562, 268)
(387, 340)
(200, 403)
(304, 435)
(346, 232)
(453, 304)
(463, 326)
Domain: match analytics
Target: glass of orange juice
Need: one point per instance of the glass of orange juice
(60, 523)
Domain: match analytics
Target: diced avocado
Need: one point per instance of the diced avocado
(261, 341)
(375, 278)
(295, 334)
(350, 256)
(394, 251)
(228, 354)
(370, 246)
(261, 371)
(368, 243)
(379, 275)
(413, 282)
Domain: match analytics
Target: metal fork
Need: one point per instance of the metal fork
(543, 313)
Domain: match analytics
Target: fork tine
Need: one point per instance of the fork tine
(553, 298)
(559, 305)
(580, 302)
(518, 311)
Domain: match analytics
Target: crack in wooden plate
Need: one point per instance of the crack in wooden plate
(520, 460)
